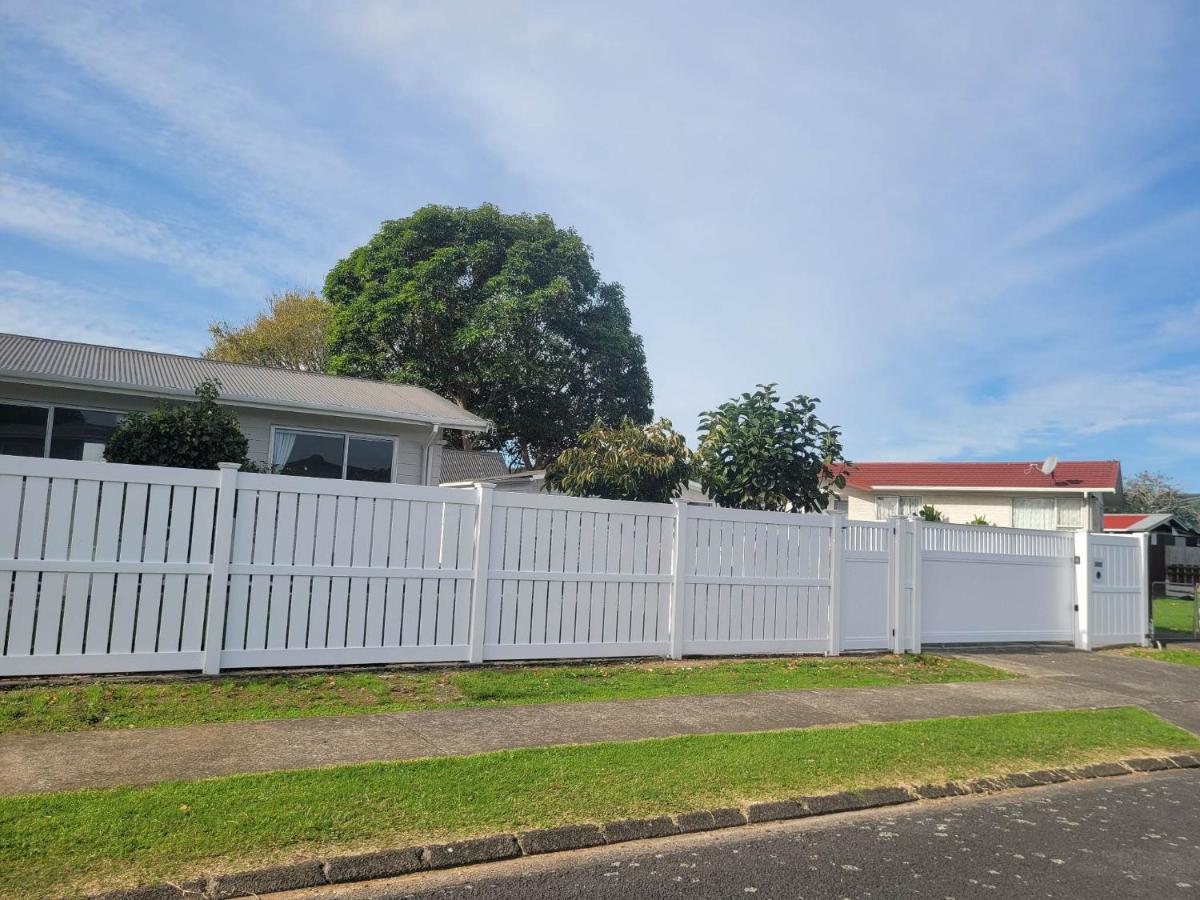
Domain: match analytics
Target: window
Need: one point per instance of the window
(23, 429)
(1047, 514)
(323, 454)
(81, 433)
(886, 507)
(60, 432)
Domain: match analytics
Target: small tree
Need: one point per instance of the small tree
(931, 513)
(757, 454)
(182, 435)
(291, 334)
(628, 462)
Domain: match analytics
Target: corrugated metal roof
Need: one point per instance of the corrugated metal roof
(1068, 475)
(1138, 522)
(471, 465)
(168, 375)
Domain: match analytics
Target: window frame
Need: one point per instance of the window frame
(899, 508)
(50, 408)
(345, 436)
(1058, 505)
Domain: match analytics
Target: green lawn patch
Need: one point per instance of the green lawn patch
(86, 840)
(1178, 655)
(1172, 614)
(134, 704)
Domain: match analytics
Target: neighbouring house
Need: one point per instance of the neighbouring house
(469, 466)
(533, 481)
(1148, 523)
(1011, 494)
(1174, 547)
(62, 400)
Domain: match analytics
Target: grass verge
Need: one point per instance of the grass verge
(70, 842)
(1179, 655)
(133, 704)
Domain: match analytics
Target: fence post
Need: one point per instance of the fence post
(1083, 569)
(918, 547)
(896, 584)
(218, 592)
(484, 492)
(678, 577)
(1144, 580)
(837, 546)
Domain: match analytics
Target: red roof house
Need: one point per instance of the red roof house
(1015, 494)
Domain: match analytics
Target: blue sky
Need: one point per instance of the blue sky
(970, 229)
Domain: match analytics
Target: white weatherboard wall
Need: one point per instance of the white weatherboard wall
(110, 568)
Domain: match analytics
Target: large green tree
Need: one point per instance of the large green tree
(759, 453)
(504, 314)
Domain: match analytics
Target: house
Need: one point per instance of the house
(1149, 523)
(62, 399)
(533, 481)
(1012, 494)
(1174, 551)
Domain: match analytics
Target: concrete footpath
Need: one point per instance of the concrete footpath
(1055, 679)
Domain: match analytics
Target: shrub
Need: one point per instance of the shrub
(195, 435)
(930, 513)
(627, 462)
(979, 520)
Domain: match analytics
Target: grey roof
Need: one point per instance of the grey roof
(471, 465)
(33, 359)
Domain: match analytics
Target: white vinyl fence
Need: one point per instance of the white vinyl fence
(111, 568)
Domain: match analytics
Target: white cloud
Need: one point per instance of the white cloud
(44, 307)
(69, 220)
(859, 212)
(885, 211)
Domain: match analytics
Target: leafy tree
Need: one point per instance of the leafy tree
(504, 314)
(757, 454)
(625, 462)
(194, 435)
(290, 334)
(1154, 492)
(931, 513)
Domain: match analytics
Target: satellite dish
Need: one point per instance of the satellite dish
(1049, 465)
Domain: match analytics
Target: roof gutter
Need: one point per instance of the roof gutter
(249, 402)
(984, 490)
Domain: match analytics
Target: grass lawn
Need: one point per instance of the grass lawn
(1172, 614)
(131, 704)
(1180, 655)
(85, 840)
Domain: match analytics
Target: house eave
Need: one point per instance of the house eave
(947, 489)
(137, 390)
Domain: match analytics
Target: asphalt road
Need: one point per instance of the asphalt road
(1123, 837)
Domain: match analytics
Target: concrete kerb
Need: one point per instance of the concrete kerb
(493, 848)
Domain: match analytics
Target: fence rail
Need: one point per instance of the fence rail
(107, 568)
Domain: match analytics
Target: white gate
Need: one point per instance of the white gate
(994, 585)
(1117, 591)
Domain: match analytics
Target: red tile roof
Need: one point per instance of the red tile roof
(1120, 521)
(1069, 475)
